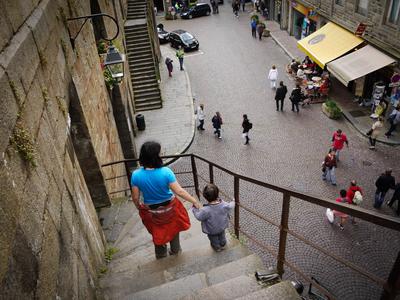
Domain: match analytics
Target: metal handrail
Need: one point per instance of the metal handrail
(361, 213)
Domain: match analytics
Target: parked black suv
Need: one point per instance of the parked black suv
(200, 9)
(183, 38)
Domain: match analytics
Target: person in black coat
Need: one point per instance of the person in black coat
(396, 197)
(280, 95)
(296, 97)
(385, 182)
(246, 128)
(217, 123)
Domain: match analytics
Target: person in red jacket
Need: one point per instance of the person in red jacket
(328, 167)
(343, 217)
(353, 188)
(338, 140)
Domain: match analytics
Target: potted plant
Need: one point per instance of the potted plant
(331, 109)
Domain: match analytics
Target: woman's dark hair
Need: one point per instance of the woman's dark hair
(245, 116)
(150, 155)
(343, 193)
(211, 192)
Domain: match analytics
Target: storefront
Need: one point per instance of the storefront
(304, 21)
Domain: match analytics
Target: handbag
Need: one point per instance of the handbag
(369, 132)
(330, 215)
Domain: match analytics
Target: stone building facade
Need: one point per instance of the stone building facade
(58, 125)
(381, 16)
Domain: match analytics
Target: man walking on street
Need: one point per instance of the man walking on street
(180, 53)
(385, 182)
(217, 123)
(296, 97)
(280, 95)
(246, 128)
(170, 67)
(253, 25)
(394, 119)
(396, 197)
(200, 116)
(338, 140)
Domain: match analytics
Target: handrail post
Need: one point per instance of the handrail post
(283, 233)
(128, 174)
(211, 171)
(237, 203)
(392, 286)
(195, 178)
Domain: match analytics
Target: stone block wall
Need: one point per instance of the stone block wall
(51, 242)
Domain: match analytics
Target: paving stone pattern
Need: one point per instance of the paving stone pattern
(287, 149)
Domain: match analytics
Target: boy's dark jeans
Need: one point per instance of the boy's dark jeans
(217, 240)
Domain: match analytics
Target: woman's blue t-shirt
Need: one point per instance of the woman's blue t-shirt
(154, 184)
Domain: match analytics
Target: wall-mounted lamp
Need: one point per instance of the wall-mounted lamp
(115, 63)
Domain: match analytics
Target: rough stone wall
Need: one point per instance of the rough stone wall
(380, 33)
(51, 242)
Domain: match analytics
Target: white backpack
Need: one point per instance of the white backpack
(358, 198)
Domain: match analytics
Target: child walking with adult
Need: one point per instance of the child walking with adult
(338, 141)
(214, 217)
(253, 25)
(217, 123)
(328, 167)
(273, 76)
(246, 128)
(351, 194)
(343, 217)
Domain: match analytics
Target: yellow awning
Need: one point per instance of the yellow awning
(327, 43)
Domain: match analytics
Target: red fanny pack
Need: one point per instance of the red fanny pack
(163, 214)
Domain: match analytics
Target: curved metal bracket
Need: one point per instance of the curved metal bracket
(72, 39)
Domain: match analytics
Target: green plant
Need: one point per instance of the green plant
(61, 105)
(102, 47)
(103, 270)
(16, 92)
(333, 109)
(45, 94)
(42, 58)
(109, 253)
(22, 141)
(110, 81)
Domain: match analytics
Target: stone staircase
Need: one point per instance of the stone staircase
(141, 61)
(197, 273)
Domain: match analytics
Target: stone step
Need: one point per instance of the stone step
(136, 32)
(136, 28)
(133, 49)
(146, 104)
(138, 73)
(147, 108)
(246, 265)
(139, 56)
(138, 65)
(131, 39)
(142, 93)
(138, 17)
(282, 291)
(172, 290)
(227, 290)
(138, 79)
(151, 80)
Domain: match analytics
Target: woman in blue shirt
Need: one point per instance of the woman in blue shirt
(162, 213)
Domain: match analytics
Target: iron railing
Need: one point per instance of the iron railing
(390, 286)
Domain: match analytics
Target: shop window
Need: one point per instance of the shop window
(362, 7)
(393, 15)
(339, 2)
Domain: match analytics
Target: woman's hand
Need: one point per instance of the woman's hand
(198, 205)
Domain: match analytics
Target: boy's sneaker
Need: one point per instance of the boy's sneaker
(341, 227)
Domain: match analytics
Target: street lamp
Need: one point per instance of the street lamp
(114, 60)
(115, 63)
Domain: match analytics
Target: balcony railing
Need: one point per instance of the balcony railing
(390, 285)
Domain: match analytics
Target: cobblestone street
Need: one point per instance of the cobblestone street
(229, 75)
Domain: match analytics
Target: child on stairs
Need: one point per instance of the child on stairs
(214, 217)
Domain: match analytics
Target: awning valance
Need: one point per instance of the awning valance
(358, 64)
(327, 43)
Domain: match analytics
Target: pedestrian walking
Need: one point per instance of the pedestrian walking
(260, 30)
(374, 132)
(162, 213)
(338, 141)
(273, 76)
(247, 125)
(180, 53)
(253, 25)
(170, 67)
(343, 217)
(394, 119)
(351, 193)
(384, 182)
(200, 116)
(243, 3)
(235, 7)
(216, 6)
(217, 124)
(328, 167)
(295, 97)
(395, 197)
(280, 95)
(214, 217)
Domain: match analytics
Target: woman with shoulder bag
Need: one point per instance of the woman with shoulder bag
(162, 212)
(329, 166)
